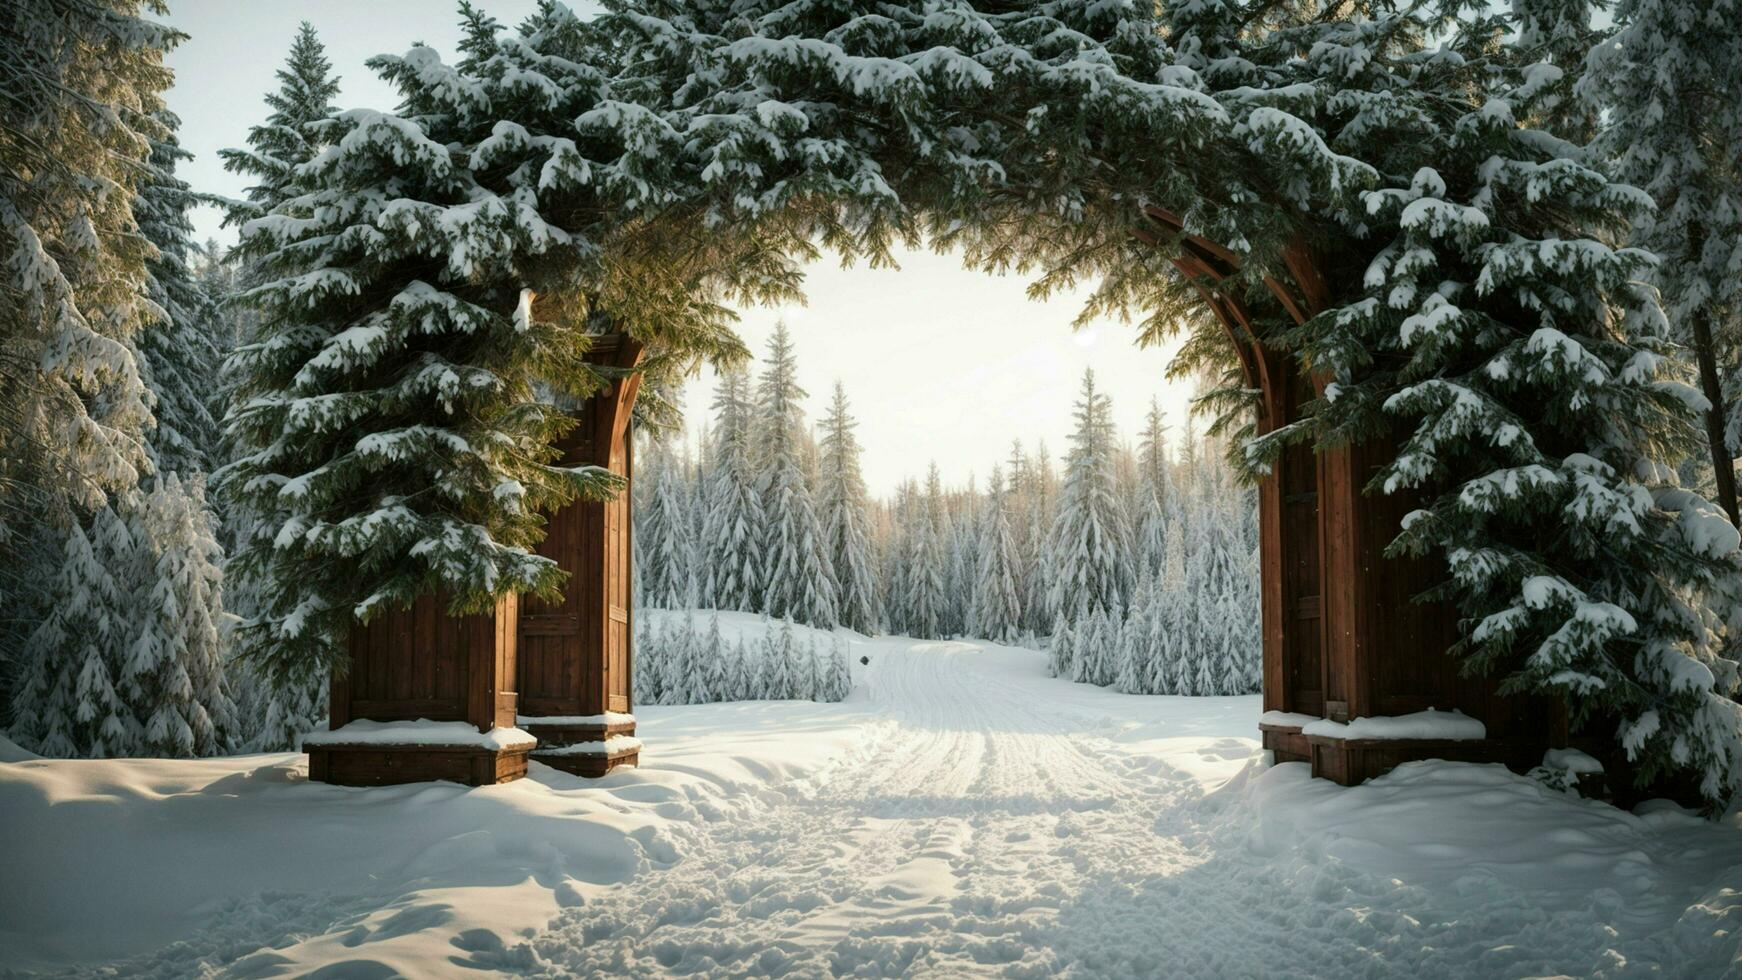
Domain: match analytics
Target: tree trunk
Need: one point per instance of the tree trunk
(1723, 469)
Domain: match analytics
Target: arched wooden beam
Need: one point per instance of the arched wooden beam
(1226, 309)
(1221, 263)
(1288, 608)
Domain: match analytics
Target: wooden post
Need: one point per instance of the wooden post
(421, 665)
(576, 653)
(1343, 637)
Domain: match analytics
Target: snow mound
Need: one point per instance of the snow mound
(11, 752)
(243, 866)
(1429, 724)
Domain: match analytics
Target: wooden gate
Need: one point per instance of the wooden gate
(575, 655)
(1344, 634)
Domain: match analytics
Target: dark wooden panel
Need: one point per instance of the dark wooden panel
(394, 765)
(574, 654)
(590, 765)
(435, 709)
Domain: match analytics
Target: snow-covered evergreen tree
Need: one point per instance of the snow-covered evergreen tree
(797, 578)
(1042, 505)
(1155, 496)
(715, 664)
(1132, 673)
(741, 678)
(68, 702)
(1090, 546)
(997, 603)
(926, 568)
(840, 672)
(294, 131)
(172, 670)
(82, 88)
(802, 665)
(1061, 649)
(665, 551)
(382, 363)
(844, 509)
(777, 661)
(179, 351)
(1670, 80)
(732, 541)
(1181, 644)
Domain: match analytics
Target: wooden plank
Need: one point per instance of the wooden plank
(424, 657)
(403, 709)
(339, 682)
(626, 678)
(550, 624)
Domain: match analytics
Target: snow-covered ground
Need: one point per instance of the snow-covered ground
(960, 814)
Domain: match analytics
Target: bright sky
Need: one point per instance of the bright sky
(940, 363)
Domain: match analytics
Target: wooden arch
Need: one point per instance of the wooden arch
(1343, 637)
(1343, 634)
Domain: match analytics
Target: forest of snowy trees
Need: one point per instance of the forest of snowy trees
(215, 462)
(1135, 567)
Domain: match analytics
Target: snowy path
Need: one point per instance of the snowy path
(963, 814)
(964, 839)
(999, 824)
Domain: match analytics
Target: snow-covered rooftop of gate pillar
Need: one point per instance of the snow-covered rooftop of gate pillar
(608, 718)
(1450, 725)
(421, 732)
(615, 745)
(1286, 719)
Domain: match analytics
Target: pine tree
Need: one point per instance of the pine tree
(797, 578)
(172, 671)
(1155, 493)
(741, 678)
(714, 668)
(1671, 80)
(926, 596)
(734, 536)
(683, 681)
(67, 703)
(897, 572)
(178, 351)
(841, 499)
(1061, 650)
(961, 565)
(840, 672)
(803, 666)
(777, 679)
(665, 549)
(82, 88)
(997, 605)
(288, 700)
(644, 673)
(1173, 673)
(1090, 544)
(293, 133)
(430, 293)
(1135, 653)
